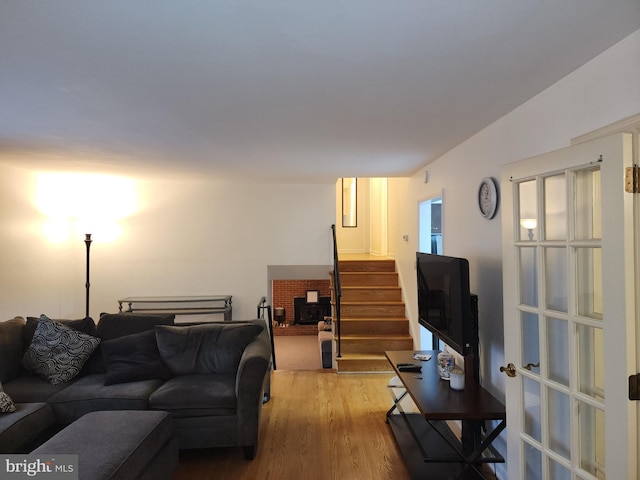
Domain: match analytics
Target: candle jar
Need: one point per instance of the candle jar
(446, 362)
(457, 378)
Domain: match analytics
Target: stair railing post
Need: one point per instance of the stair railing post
(337, 288)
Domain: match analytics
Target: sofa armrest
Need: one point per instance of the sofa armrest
(250, 385)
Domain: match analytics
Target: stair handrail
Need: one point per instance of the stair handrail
(337, 291)
(263, 307)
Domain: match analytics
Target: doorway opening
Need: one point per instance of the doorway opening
(430, 226)
(429, 241)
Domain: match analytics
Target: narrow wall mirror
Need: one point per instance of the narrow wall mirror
(349, 202)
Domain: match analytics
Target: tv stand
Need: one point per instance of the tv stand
(428, 444)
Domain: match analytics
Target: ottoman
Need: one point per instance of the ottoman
(120, 444)
(325, 342)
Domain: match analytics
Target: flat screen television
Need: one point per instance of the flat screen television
(445, 302)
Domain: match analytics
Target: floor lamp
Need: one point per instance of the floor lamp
(87, 241)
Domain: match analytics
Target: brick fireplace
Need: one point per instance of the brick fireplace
(283, 294)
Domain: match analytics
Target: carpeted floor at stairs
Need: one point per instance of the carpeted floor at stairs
(297, 352)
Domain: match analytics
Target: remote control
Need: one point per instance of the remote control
(410, 368)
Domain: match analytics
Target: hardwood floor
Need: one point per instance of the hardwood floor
(317, 425)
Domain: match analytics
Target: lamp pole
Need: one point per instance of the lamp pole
(87, 241)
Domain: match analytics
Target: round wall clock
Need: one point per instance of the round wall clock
(488, 197)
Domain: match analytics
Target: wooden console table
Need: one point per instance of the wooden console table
(180, 305)
(428, 445)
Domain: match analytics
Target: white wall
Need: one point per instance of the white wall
(378, 208)
(354, 239)
(601, 92)
(186, 239)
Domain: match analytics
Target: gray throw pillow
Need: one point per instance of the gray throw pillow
(133, 357)
(208, 348)
(6, 404)
(117, 325)
(57, 352)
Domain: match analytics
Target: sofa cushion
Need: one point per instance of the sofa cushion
(6, 404)
(197, 395)
(31, 388)
(207, 348)
(133, 357)
(11, 348)
(89, 394)
(58, 352)
(21, 430)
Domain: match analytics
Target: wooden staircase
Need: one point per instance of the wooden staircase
(372, 315)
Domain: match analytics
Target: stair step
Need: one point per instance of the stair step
(371, 309)
(371, 294)
(374, 326)
(375, 344)
(385, 265)
(363, 363)
(354, 279)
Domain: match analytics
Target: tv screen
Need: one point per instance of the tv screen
(444, 299)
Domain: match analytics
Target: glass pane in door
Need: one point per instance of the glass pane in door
(592, 445)
(559, 422)
(532, 463)
(588, 216)
(555, 208)
(556, 277)
(558, 472)
(589, 282)
(558, 350)
(528, 211)
(591, 360)
(530, 341)
(528, 276)
(531, 392)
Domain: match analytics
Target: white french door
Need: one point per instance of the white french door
(570, 314)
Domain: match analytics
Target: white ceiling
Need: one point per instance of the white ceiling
(291, 91)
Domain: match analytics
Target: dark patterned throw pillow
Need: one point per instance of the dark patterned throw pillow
(57, 352)
(6, 404)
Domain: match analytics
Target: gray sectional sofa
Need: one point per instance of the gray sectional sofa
(210, 377)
